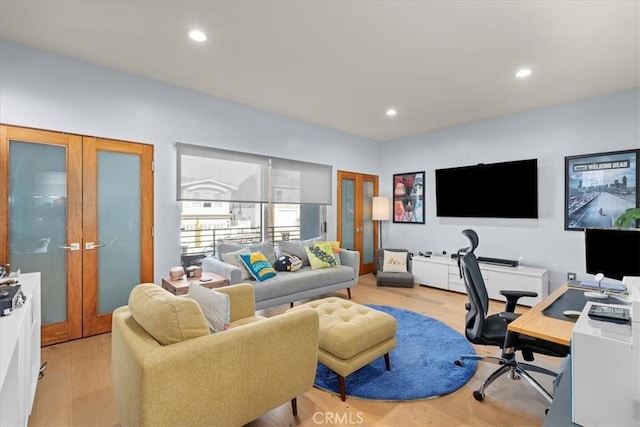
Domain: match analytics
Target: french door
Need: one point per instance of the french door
(356, 228)
(80, 211)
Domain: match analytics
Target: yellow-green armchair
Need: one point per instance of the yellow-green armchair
(200, 379)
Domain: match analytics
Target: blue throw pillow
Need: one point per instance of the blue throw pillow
(258, 266)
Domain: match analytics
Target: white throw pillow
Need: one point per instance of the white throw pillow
(394, 262)
(233, 258)
(215, 306)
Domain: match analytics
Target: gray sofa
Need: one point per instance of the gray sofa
(287, 287)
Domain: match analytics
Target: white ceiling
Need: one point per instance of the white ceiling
(341, 64)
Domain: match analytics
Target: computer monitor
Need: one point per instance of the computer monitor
(614, 252)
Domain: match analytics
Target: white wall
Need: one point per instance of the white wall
(606, 123)
(47, 91)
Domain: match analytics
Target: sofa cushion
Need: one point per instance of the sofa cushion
(303, 280)
(294, 247)
(258, 266)
(265, 247)
(169, 319)
(215, 306)
(395, 262)
(319, 257)
(233, 258)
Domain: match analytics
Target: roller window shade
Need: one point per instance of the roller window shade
(212, 174)
(293, 181)
(206, 173)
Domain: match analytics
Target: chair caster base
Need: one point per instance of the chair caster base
(478, 395)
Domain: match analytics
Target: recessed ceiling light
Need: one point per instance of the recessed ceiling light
(197, 35)
(391, 112)
(523, 73)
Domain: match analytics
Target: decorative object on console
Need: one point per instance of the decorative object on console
(193, 271)
(176, 273)
(600, 188)
(408, 197)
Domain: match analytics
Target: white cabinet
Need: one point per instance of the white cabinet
(441, 272)
(20, 355)
(431, 271)
(605, 372)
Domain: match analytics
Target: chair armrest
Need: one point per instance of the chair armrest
(232, 377)
(513, 297)
(228, 271)
(242, 299)
(351, 259)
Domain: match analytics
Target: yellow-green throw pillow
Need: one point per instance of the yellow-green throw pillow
(335, 248)
(320, 258)
(258, 266)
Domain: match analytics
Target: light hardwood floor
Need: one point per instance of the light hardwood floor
(76, 389)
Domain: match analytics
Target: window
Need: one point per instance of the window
(244, 198)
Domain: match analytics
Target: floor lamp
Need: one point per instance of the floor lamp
(380, 212)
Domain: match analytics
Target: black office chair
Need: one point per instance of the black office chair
(492, 330)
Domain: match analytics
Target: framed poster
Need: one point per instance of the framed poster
(601, 190)
(408, 197)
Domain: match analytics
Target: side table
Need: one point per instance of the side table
(181, 286)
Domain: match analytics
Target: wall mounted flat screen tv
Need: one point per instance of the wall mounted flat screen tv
(614, 252)
(495, 190)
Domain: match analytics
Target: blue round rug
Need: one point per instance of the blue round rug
(421, 364)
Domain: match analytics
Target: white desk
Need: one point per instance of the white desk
(20, 355)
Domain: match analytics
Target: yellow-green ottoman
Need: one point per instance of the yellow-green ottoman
(351, 336)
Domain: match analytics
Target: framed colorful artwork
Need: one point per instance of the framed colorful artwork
(408, 198)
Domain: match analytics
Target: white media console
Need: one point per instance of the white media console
(442, 272)
(20, 355)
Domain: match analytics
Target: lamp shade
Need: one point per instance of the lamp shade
(381, 209)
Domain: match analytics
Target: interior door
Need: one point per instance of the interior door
(80, 211)
(117, 226)
(41, 217)
(356, 228)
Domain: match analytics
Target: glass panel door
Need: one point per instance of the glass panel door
(356, 228)
(368, 230)
(42, 217)
(347, 214)
(117, 227)
(64, 198)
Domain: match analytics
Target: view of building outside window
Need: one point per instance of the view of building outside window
(204, 224)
